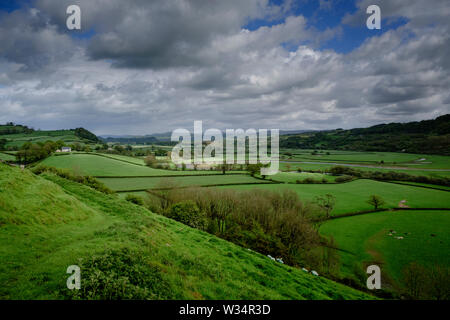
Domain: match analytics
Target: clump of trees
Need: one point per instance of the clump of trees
(269, 222)
(32, 152)
(426, 283)
(152, 162)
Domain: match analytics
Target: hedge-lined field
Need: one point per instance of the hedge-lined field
(126, 184)
(366, 239)
(100, 165)
(352, 196)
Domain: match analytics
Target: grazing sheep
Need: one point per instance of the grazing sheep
(280, 260)
(314, 273)
(271, 257)
(306, 270)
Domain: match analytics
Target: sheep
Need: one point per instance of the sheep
(313, 272)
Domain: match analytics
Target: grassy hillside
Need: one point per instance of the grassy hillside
(365, 239)
(429, 136)
(17, 135)
(125, 251)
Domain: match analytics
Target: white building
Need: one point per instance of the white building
(66, 149)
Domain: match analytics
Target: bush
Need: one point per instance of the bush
(135, 199)
(187, 212)
(86, 180)
(120, 274)
(344, 178)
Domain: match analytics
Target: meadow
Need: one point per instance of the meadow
(111, 166)
(366, 239)
(141, 183)
(293, 177)
(352, 196)
(323, 167)
(6, 157)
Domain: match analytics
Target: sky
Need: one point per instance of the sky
(141, 67)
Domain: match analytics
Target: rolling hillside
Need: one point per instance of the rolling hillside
(14, 136)
(125, 251)
(428, 136)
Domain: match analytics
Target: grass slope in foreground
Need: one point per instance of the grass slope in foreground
(366, 239)
(48, 223)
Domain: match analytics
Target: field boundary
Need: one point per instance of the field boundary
(351, 214)
(419, 186)
(193, 186)
(175, 175)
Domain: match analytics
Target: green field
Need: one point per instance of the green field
(6, 157)
(62, 222)
(317, 166)
(388, 158)
(352, 196)
(292, 177)
(127, 184)
(366, 240)
(99, 165)
(18, 139)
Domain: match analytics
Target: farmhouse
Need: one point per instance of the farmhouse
(66, 149)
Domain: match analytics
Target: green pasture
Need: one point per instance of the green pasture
(99, 165)
(125, 184)
(293, 166)
(292, 177)
(6, 157)
(353, 196)
(365, 240)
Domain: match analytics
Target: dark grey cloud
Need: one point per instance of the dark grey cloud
(158, 65)
(30, 42)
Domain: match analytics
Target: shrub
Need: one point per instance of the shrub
(86, 180)
(344, 178)
(187, 212)
(120, 274)
(134, 199)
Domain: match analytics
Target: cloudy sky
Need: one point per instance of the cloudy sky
(142, 66)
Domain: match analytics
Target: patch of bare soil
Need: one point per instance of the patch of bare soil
(402, 204)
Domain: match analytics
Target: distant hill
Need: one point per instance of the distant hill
(428, 136)
(157, 138)
(15, 135)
